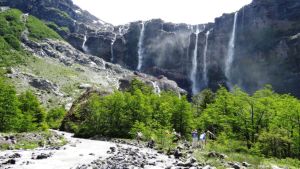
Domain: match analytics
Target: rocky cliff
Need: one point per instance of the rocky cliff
(257, 45)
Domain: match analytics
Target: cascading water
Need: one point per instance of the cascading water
(230, 53)
(156, 88)
(84, 48)
(204, 71)
(112, 48)
(140, 47)
(193, 75)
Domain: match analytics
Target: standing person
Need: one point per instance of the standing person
(195, 138)
(203, 138)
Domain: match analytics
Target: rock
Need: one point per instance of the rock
(15, 155)
(43, 156)
(216, 155)
(192, 160)
(236, 166)
(207, 167)
(177, 154)
(84, 86)
(275, 167)
(245, 164)
(10, 162)
(112, 149)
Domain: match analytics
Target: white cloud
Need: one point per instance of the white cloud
(177, 11)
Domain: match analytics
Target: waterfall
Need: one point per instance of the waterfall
(140, 47)
(156, 88)
(204, 71)
(193, 75)
(84, 48)
(230, 53)
(112, 48)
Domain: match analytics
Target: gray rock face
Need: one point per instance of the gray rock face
(266, 45)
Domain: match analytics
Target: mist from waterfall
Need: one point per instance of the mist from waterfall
(112, 48)
(230, 53)
(140, 47)
(193, 75)
(204, 71)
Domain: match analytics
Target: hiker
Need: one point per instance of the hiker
(139, 136)
(195, 138)
(203, 138)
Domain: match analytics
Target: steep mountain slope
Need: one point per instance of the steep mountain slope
(35, 57)
(264, 50)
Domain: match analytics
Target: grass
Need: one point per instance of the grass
(39, 30)
(253, 158)
(37, 139)
(11, 27)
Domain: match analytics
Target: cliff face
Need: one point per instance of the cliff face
(264, 48)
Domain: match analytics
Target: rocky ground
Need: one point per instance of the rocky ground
(84, 153)
(109, 154)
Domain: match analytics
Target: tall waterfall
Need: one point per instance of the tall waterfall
(204, 71)
(140, 47)
(230, 53)
(193, 75)
(112, 48)
(84, 48)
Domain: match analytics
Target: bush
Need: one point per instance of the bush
(13, 41)
(55, 117)
(33, 115)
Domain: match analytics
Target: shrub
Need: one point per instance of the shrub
(55, 117)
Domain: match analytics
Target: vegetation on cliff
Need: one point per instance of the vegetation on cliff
(12, 25)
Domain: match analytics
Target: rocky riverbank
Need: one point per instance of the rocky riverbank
(112, 153)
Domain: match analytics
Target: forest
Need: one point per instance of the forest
(264, 123)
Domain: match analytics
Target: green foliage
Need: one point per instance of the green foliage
(11, 28)
(265, 122)
(201, 100)
(38, 30)
(23, 113)
(122, 114)
(55, 117)
(12, 25)
(33, 115)
(9, 111)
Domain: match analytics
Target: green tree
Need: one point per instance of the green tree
(33, 114)
(55, 117)
(9, 112)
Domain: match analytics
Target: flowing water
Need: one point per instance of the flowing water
(205, 77)
(230, 53)
(112, 48)
(84, 48)
(76, 153)
(193, 75)
(140, 47)
(156, 88)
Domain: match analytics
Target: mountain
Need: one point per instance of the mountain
(34, 57)
(257, 45)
